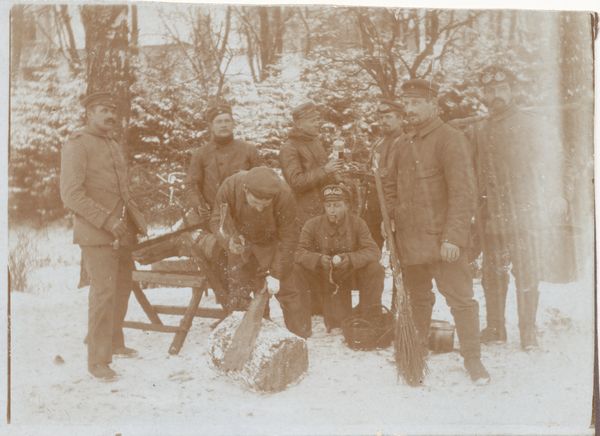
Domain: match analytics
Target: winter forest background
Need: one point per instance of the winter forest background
(168, 63)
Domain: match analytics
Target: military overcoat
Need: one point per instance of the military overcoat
(211, 164)
(433, 193)
(272, 234)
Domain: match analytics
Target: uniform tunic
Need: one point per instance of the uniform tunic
(365, 274)
(433, 198)
(94, 186)
(271, 235)
(211, 164)
(303, 161)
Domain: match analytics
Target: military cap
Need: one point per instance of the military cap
(420, 88)
(305, 110)
(263, 182)
(498, 74)
(215, 111)
(388, 106)
(336, 193)
(104, 98)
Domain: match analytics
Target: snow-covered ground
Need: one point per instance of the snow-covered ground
(345, 392)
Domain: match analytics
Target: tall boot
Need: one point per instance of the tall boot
(495, 288)
(467, 329)
(527, 303)
(422, 319)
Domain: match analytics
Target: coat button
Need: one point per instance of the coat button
(413, 168)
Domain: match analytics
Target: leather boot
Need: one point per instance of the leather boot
(422, 319)
(527, 303)
(495, 305)
(467, 329)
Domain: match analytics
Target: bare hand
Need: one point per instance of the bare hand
(204, 212)
(334, 165)
(449, 252)
(392, 224)
(559, 207)
(343, 264)
(118, 229)
(325, 262)
(236, 248)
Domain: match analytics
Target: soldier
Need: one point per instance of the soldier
(263, 211)
(342, 235)
(382, 150)
(210, 165)
(93, 184)
(433, 200)
(307, 169)
(518, 167)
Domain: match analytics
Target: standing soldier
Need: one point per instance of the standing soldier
(307, 169)
(263, 211)
(433, 198)
(518, 168)
(211, 164)
(382, 151)
(93, 184)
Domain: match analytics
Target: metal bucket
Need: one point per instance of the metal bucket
(441, 336)
(561, 253)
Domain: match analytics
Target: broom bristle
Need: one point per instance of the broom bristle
(410, 361)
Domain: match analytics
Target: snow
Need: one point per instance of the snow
(345, 392)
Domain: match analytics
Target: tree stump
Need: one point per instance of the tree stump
(278, 359)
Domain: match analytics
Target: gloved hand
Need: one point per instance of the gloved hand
(392, 224)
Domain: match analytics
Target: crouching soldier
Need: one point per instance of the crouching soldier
(262, 210)
(337, 254)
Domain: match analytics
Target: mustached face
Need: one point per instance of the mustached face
(222, 126)
(498, 96)
(335, 210)
(389, 122)
(102, 118)
(419, 110)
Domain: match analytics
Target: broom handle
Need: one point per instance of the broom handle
(391, 243)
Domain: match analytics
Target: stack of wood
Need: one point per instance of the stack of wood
(277, 359)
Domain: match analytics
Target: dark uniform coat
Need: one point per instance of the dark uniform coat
(353, 237)
(433, 196)
(272, 233)
(93, 184)
(211, 164)
(518, 161)
(303, 163)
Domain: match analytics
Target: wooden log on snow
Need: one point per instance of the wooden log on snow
(278, 358)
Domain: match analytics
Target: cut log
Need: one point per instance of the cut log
(278, 358)
(174, 247)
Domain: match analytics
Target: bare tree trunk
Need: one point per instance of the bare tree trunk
(499, 17)
(135, 32)
(75, 62)
(263, 14)
(308, 32)
(16, 39)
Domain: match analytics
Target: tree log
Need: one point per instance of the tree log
(278, 359)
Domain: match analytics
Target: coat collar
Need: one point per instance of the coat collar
(511, 109)
(331, 230)
(97, 133)
(428, 128)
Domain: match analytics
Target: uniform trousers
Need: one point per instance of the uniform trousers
(244, 280)
(499, 252)
(368, 280)
(454, 282)
(110, 275)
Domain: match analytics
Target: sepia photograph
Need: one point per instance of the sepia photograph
(298, 219)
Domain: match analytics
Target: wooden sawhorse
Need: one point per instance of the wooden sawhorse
(199, 281)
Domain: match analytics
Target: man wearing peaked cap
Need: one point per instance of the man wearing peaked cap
(306, 166)
(337, 246)
(212, 163)
(431, 196)
(389, 114)
(263, 211)
(523, 187)
(99, 98)
(93, 184)
(420, 88)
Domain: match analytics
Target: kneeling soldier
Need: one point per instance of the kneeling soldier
(263, 212)
(338, 247)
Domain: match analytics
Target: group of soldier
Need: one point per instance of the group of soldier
(300, 230)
